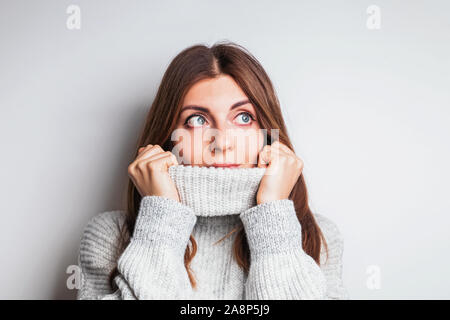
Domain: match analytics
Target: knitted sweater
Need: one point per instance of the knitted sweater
(213, 201)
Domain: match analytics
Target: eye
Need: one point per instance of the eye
(245, 117)
(195, 121)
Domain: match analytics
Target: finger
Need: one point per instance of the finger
(142, 149)
(275, 154)
(146, 147)
(284, 154)
(160, 155)
(279, 145)
(289, 154)
(172, 161)
(269, 158)
(164, 162)
(149, 151)
(264, 157)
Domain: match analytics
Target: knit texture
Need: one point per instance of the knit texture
(214, 201)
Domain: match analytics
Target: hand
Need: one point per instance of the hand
(283, 170)
(150, 172)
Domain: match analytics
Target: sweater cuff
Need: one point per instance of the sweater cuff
(272, 227)
(164, 221)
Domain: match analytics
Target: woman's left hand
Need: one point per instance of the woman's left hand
(283, 170)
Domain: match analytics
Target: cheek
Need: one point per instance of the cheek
(249, 146)
(192, 149)
(256, 146)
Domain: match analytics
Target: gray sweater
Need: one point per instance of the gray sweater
(213, 202)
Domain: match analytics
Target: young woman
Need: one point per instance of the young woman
(217, 206)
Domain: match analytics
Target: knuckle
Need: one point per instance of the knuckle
(172, 156)
(151, 165)
(158, 147)
(140, 166)
(148, 147)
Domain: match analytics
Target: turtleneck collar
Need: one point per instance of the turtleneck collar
(222, 193)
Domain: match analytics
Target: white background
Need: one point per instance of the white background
(367, 110)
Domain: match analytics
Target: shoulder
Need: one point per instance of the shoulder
(100, 240)
(332, 235)
(108, 222)
(328, 227)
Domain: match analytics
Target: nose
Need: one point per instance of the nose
(222, 142)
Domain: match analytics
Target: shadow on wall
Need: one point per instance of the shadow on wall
(114, 195)
(60, 291)
(114, 198)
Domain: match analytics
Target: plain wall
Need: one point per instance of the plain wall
(366, 109)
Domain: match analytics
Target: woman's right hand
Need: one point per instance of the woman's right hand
(150, 172)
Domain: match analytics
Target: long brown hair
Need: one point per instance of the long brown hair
(189, 66)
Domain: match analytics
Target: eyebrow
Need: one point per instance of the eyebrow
(206, 110)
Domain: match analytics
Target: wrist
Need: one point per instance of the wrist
(272, 227)
(163, 220)
(261, 200)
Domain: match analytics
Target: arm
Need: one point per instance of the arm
(279, 268)
(333, 264)
(151, 266)
(98, 254)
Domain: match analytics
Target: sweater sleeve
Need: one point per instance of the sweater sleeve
(151, 266)
(279, 268)
(332, 264)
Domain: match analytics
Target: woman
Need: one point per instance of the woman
(217, 205)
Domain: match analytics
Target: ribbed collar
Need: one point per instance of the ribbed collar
(217, 192)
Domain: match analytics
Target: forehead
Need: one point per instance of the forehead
(215, 94)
